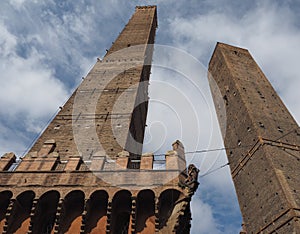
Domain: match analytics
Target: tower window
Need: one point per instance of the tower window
(57, 127)
(226, 100)
(261, 95)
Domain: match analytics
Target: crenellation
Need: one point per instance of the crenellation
(73, 163)
(32, 162)
(7, 160)
(147, 161)
(86, 173)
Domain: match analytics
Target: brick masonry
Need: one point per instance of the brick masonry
(262, 141)
(86, 173)
(107, 108)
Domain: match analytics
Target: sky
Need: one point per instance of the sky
(46, 47)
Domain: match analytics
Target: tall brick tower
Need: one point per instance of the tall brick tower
(262, 141)
(86, 173)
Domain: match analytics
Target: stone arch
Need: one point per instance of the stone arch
(96, 218)
(19, 219)
(166, 204)
(145, 216)
(121, 210)
(5, 197)
(44, 217)
(72, 209)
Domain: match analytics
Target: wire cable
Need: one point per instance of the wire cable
(40, 132)
(213, 170)
(288, 133)
(44, 128)
(210, 150)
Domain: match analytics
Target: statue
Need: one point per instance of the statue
(191, 180)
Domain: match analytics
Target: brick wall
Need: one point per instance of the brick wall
(262, 141)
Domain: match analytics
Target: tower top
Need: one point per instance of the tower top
(145, 7)
(261, 139)
(226, 47)
(75, 177)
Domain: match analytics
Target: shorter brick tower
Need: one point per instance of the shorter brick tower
(86, 173)
(262, 141)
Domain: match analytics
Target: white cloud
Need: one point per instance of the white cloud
(46, 47)
(269, 31)
(8, 42)
(181, 108)
(17, 3)
(205, 223)
(29, 93)
(6, 144)
(28, 87)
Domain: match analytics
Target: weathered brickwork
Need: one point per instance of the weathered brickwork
(262, 141)
(111, 100)
(86, 173)
(40, 200)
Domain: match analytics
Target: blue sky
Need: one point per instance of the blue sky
(47, 46)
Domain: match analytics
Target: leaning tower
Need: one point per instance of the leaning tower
(86, 173)
(262, 141)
